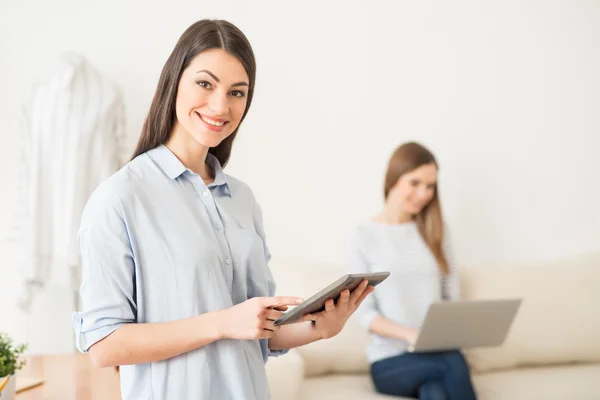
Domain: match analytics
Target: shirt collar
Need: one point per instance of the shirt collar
(167, 162)
(220, 177)
(173, 168)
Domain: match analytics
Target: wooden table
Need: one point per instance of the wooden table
(69, 377)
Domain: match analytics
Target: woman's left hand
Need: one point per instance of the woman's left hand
(330, 322)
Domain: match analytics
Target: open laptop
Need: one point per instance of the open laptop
(465, 324)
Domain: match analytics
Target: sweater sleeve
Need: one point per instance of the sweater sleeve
(357, 264)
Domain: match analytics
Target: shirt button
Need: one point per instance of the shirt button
(218, 227)
(205, 194)
(227, 261)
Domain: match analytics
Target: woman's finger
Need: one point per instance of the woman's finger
(269, 326)
(364, 295)
(272, 302)
(273, 314)
(310, 317)
(356, 293)
(344, 297)
(329, 306)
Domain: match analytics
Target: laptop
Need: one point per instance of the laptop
(466, 324)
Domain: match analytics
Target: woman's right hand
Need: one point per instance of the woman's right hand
(253, 319)
(410, 335)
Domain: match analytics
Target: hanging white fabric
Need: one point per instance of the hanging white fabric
(72, 139)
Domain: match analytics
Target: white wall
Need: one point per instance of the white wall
(505, 93)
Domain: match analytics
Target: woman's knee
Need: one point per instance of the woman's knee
(432, 390)
(455, 357)
(456, 362)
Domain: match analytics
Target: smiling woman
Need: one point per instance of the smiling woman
(207, 82)
(211, 101)
(176, 284)
(407, 237)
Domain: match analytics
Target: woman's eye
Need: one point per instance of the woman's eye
(414, 183)
(204, 84)
(238, 93)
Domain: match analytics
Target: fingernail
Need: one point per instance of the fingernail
(298, 301)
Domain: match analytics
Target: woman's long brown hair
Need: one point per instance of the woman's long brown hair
(406, 158)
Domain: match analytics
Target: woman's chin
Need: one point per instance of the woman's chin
(414, 211)
(209, 139)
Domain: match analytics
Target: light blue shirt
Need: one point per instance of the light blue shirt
(158, 245)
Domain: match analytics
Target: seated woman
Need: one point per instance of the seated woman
(408, 239)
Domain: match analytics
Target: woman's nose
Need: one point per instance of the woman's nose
(218, 103)
(423, 192)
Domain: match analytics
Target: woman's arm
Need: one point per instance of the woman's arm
(384, 327)
(143, 343)
(294, 335)
(357, 264)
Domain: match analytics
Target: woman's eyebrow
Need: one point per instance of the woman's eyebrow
(218, 80)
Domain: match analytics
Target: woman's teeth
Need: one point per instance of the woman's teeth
(211, 122)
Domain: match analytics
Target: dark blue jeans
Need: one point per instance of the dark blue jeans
(426, 376)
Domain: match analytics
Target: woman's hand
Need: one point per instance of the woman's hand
(410, 335)
(253, 319)
(330, 322)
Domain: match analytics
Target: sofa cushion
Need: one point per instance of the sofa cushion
(341, 387)
(557, 383)
(344, 353)
(557, 321)
(285, 375)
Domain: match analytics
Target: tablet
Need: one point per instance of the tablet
(316, 303)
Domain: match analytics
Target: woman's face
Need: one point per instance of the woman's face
(414, 190)
(211, 97)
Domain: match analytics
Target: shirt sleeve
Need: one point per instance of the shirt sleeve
(357, 264)
(450, 282)
(258, 224)
(107, 289)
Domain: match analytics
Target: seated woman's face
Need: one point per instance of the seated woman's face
(211, 97)
(415, 189)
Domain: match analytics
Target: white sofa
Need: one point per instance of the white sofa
(552, 352)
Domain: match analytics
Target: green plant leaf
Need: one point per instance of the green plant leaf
(10, 361)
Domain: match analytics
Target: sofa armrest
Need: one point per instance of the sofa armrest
(285, 375)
